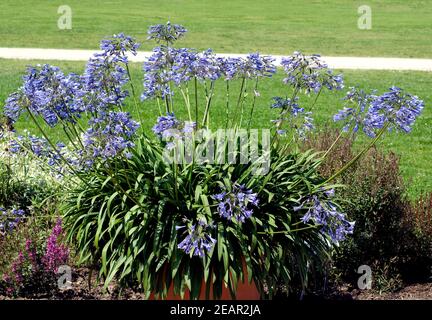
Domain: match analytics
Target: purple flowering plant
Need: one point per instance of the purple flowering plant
(35, 267)
(161, 224)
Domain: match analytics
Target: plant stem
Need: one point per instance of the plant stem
(289, 231)
(227, 104)
(69, 137)
(316, 99)
(238, 101)
(167, 107)
(159, 106)
(134, 96)
(53, 146)
(253, 103)
(361, 153)
(242, 104)
(209, 96)
(196, 101)
(241, 91)
(333, 144)
(187, 102)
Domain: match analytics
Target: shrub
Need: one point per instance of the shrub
(422, 214)
(385, 236)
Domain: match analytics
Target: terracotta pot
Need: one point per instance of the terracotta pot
(245, 291)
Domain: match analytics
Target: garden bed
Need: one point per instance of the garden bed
(417, 291)
(82, 291)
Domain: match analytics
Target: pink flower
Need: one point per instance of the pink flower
(55, 254)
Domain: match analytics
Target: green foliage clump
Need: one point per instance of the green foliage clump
(127, 223)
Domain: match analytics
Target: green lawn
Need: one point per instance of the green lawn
(400, 28)
(414, 149)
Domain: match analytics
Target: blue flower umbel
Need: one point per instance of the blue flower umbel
(109, 134)
(310, 73)
(394, 109)
(296, 117)
(397, 108)
(172, 130)
(166, 33)
(324, 213)
(356, 106)
(237, 204)
(47, 93)
(165, 124)
(198, 239)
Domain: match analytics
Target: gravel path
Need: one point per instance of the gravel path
(364, 63)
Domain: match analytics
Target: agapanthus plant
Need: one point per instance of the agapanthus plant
(180, 224)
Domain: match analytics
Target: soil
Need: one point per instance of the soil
(81, 290)
(419, 291)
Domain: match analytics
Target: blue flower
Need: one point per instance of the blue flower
(188, 64)
(165, 123)
(229, 67)
(14, 146)
(354, 115)
(37, 146)
(48, 93)
(109, 134)
(13, 107)
(296, 116)
(287, 104)
(106, 74)
(166, 33)
(237, 204)
(158, 73)
(253, 66)
(189, 127)
(198, 239)
(103, 81)
(169, 127)
(9, 219)
(310, 73)
(324, 213)
(119, 44)
(256, 65)
(396, 108)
